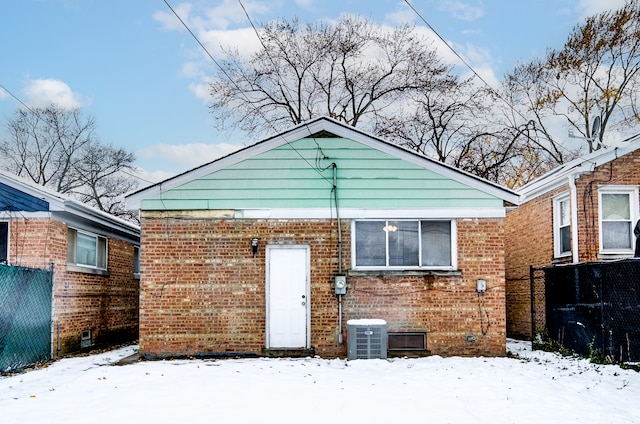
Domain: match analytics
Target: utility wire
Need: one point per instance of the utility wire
(198, 41)
(240, 90)
(266, 50)
(459, 56)
(37, 116)
(281, 82)
(18, 100)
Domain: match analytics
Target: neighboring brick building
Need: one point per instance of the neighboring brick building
(582, 211)
(241, 255)
(94, 256)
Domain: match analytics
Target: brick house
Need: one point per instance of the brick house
(242, 255)
(94, 257)
(582, 211)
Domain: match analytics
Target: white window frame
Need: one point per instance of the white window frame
(453, 246)
(102, 254)
(632, 192)
(558, 225)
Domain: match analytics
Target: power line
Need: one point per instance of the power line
(39, 118)
(197, 40)
(448, 45)
(508, 103)
(239, 89)
(19, 101)
(266, 50)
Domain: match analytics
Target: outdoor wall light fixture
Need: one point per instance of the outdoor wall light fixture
(254, 246)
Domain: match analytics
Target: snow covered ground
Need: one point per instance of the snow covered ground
(539, 388)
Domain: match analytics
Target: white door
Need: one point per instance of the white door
(287, 296)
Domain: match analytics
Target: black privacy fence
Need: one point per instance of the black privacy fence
(25, 316)
(591, 308)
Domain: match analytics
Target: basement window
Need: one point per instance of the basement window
(85, 339)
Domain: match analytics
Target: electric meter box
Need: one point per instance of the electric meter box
(340, 284)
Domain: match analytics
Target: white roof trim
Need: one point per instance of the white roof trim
(559, 176)
(134, 200)
(61, 204)
(353, 213)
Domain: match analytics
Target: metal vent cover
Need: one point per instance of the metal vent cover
(366, 339)
(405, 341)
(86, 339)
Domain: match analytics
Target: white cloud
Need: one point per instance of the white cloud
(304, 3)
(201, 91)
(244, 39)
(3, 94)
(169, 20)
(401, 16)
(147, 177)
(592, 7)
(184, 156)
(44, 92)
(221, 16)
(464, 10)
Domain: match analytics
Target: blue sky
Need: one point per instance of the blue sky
(133, 66)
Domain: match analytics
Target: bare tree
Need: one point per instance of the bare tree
(440, 122)
(99, 170)
(42, 143)
(352, 71)
(590, 79)
(58, 148)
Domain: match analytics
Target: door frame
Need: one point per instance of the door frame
(268, 249)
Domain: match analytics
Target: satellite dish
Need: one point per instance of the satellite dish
(595, 129)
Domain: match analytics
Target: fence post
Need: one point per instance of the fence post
(52, 268)
(531, 290)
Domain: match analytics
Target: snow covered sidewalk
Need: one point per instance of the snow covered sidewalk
(541, 387)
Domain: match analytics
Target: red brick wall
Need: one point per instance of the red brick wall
(529, 242)
(202, 291)
(622, 171)
(529, 236)
(108, 306)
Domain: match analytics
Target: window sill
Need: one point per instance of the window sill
(418, 272)
(614, 256)
(136, 275)
(86, 270)
(561, 259)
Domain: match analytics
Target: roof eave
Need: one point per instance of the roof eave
(134, 200)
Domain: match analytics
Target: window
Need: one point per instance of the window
(4, 242)
(136, 260)
(87, 250)
(618, 210)
(404, 244)
(562, 226)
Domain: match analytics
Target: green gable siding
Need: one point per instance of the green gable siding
(299, 175)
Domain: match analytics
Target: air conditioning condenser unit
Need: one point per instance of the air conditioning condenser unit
(366, 339)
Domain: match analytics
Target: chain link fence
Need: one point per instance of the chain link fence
(25, 316)
(591, 308)
(538, 302)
